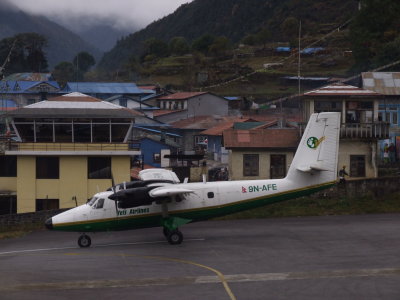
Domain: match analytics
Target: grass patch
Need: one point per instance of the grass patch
(311, 206)
(15, 231)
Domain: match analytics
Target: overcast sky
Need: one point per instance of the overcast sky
(122, 13)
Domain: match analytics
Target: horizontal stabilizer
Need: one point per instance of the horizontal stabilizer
(168, 191)
(312, 167)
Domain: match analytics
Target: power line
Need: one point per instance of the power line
(292, 55)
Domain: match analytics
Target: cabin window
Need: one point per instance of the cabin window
(210, 195)
(250, 164)
(357, 165)
(8, 204)
(91, 201)
(8, 166)
(47, 204)
(99, 167)
(47, 167)
(99, 204)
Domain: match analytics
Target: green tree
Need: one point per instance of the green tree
(155, 48)
(374, 32)
(203, 43)
(249, 40)
(178, 46)
(27, 53)
(220, 46)
(64, 72)
(290, 28)
(84, 61)
(263, 36)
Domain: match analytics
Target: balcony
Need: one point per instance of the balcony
(363, 131)
(19, 148)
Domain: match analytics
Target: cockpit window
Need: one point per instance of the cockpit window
(99, 203)
(91, 201)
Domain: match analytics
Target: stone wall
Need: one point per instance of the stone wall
(25, 219)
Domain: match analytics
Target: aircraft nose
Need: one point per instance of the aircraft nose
(49, 223)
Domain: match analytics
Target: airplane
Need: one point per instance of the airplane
(159, 199)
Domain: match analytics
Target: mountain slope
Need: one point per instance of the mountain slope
(233, 19)
(63, 45)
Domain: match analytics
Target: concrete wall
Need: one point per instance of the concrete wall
(353, 147)
(73, 181)
(236, 163)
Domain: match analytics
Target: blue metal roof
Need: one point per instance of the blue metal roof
(157, 131)
(7, 103)
(282, 49)
(104, 88)
(21, 87)
(232, 98)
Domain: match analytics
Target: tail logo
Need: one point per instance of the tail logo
(313, 142)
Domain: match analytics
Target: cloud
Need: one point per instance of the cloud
(118, 13)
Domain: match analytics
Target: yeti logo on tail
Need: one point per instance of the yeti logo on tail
(313, 142)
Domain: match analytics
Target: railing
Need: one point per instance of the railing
(18, 146)
(360, 130)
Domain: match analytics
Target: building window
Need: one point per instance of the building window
(8, 166)
(394, 118)
(157, 158)
(123, 102)
(30, 101)
(250, 164)
(357, 165)
(47, 204)
(99, 167)
(8, 205)
(47, 167)
(278, 166)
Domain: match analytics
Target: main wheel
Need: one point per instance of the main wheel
(84, 241)
(175, 237)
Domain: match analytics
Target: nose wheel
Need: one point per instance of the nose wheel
(84, 241)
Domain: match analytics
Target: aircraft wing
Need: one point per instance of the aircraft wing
(166, 191)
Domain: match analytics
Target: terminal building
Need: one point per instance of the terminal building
(64, 150)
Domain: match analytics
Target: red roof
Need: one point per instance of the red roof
(161, 112)
(202, 122)
(261, 138)
(220, 128)
(182, 96)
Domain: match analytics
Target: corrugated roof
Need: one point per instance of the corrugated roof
(182, 95)
(21, 87)
(386, 83)
(218, 129)
(261, 138)
(75, 97)
(202, 122)
(105, 88)
(341, 89)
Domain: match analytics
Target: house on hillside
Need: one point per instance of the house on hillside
(360, 128)
(69, 148)
(186, 105)
(28, 92)
(133, 103)
(388, 84)
(260, 153)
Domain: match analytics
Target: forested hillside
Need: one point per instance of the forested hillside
(62, 44)
(234, 19)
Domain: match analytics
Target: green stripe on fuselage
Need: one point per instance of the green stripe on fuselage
(197, 214)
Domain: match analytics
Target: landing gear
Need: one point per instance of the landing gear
(174, 237)
(84, 241)
(170, 229)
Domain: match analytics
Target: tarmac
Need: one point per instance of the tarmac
(331, 257)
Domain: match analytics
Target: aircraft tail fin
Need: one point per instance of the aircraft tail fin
(316, 158)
